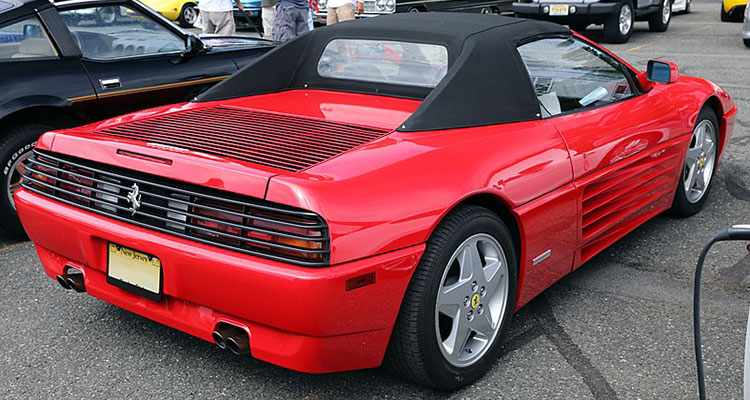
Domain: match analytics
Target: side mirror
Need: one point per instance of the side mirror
(193, 45)
(662, 71)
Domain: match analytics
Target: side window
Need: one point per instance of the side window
(25, 40)
(569, 74)
(110, 32)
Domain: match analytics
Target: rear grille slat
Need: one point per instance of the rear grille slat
(338, 136)
(229, 221)
(236, 141)
(173, 188)
(283, 142)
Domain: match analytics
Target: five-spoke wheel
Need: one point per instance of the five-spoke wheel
(699, 162)
(471, 300)
(460, 299)
(699, 167)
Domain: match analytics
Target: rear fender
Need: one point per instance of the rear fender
(55, 111)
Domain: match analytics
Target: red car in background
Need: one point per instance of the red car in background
(377, 196)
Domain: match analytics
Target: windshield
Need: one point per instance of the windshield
(116, 31)
(390, 62)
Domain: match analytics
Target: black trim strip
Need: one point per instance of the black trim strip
(176, 189)
(34, 161)
(183, 236)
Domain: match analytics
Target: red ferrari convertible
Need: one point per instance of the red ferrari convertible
(388, 190)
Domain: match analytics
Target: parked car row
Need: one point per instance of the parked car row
(618, 17)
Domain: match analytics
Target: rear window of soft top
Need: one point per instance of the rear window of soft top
(384, 61)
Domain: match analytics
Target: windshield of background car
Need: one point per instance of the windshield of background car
(25, 40)
(391, 62)
(570, 75)
(109, 32)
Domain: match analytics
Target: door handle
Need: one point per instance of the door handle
(110, 83)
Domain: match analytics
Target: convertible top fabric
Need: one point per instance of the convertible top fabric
(486, 82)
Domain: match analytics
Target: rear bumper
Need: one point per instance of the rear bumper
(583, 11)
(299, 318)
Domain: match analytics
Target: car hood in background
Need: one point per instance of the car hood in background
(234, 42)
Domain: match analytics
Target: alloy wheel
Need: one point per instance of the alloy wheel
(700, 161)
(666, 11)
(626, 18)
(190, 15)
(472, 300)
(16, 177)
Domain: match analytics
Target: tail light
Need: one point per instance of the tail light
(237, 223)
(293, 236)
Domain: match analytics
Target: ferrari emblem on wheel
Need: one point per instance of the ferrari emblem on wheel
(475, 301)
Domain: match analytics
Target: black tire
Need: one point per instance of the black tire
(681, 206)
(185, 17)
(747, 42)
(727, 17)
(656, 21)
(16, 142)
(688, 7)
(413, 351)
(612, 25)
(579, 27)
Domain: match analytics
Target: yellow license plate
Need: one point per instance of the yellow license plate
(134, 271)
(558, 10)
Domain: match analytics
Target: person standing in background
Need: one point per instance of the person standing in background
(290, 20)
(313, 6)
(343, 10)
(268, 12)
(217, 16)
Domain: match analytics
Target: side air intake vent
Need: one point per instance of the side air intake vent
(274, 140)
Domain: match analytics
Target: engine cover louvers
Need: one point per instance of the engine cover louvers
(278, 141)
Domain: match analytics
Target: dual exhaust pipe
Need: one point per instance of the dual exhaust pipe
(231, 337)
(72, 279)
(226, 336)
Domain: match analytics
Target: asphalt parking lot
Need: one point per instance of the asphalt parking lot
(618, 328)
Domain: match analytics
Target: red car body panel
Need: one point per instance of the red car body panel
(296, 317)
(571, 185)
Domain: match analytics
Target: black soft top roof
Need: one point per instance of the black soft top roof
(486, 82)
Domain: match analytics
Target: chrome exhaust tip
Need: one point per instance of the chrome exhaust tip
(64, 283)
(219, 339)
(232, 337)
(75, 282)
(239, 344)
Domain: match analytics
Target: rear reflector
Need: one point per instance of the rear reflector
(360, 281)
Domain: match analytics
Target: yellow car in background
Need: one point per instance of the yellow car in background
(184, 12)
(733, 10)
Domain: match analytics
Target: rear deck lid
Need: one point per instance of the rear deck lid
(221, 146)
(283, 142)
